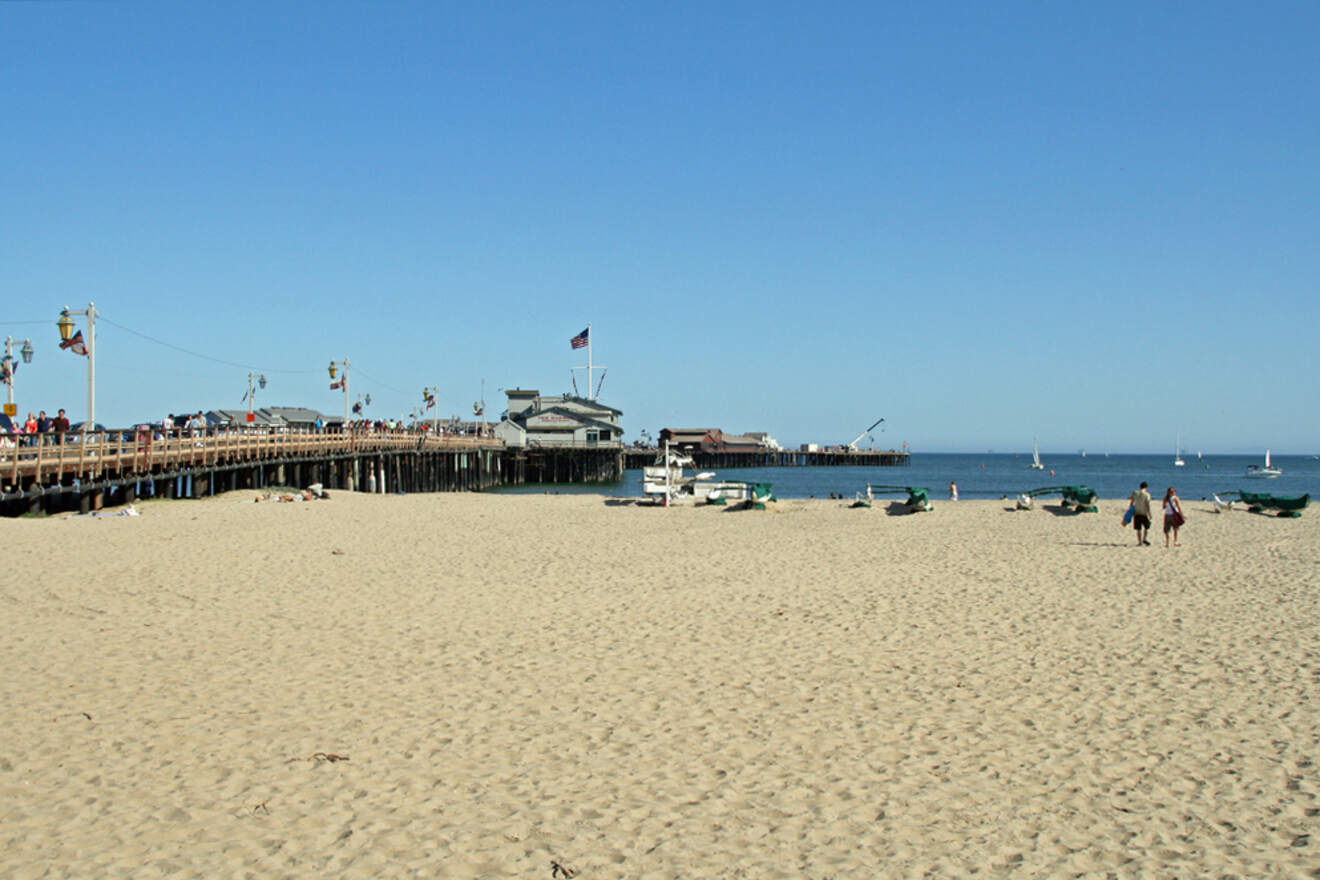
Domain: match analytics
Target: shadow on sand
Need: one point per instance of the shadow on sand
(1060, 510)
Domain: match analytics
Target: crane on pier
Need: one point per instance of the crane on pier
(852, 447)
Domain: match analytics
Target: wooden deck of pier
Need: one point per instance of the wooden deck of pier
(120, 466)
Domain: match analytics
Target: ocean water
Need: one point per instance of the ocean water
(997, 475)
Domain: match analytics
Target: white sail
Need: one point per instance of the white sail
(1035, 455)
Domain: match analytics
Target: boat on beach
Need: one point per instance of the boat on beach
(1275, 502)
(665, 482)
(1260, 502)
(1256, 471)
(918, 499)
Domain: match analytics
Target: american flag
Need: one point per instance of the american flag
(76, 344)
(335, 386)
(580, 341)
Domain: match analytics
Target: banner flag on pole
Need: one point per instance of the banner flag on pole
(76, 344)
(580, 341)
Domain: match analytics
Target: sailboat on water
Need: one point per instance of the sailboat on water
(1177, 453)
(1268, 471)
(1035, 455)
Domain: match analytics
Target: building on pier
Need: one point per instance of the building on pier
(534, 421)
(271, 417)
(711, 440)
(237, 418)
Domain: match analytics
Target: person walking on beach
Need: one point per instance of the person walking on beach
(953, 491)
(1173, 516)
(1141, 514)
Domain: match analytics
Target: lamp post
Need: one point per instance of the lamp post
(65, 323)
(429, 395)
(334, 371)
(257, 380)
(8, 370)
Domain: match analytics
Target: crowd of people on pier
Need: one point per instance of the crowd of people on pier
(39, 428)
(36, 428)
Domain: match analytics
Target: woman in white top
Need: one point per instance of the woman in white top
(1173, 516)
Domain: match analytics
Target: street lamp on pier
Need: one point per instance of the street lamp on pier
(69, 340)
(255, 381)
(429, 395)
(8, 367)
(342, 383)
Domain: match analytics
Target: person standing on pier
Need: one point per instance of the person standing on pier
(60, 426)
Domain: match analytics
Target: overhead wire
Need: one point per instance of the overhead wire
(101, 317)
(195, 354)
(370, 378)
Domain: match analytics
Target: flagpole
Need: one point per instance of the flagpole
(91, 367)
(9, 371)
(66, 333)
(589, 360)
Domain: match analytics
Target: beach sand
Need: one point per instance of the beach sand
(515, 681)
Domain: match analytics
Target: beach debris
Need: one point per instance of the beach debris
(311, 493)
(86, 715)
(130, 510)
(327, 757)
(336, 552)
(321, 758)
(261, 808)
(558, 868)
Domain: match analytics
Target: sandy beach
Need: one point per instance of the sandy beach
(492, 685)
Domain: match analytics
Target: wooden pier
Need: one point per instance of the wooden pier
(720, 459)
(118, 467)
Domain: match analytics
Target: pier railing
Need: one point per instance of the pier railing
(45, 457)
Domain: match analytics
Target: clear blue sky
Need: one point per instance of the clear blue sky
(1097, 223)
